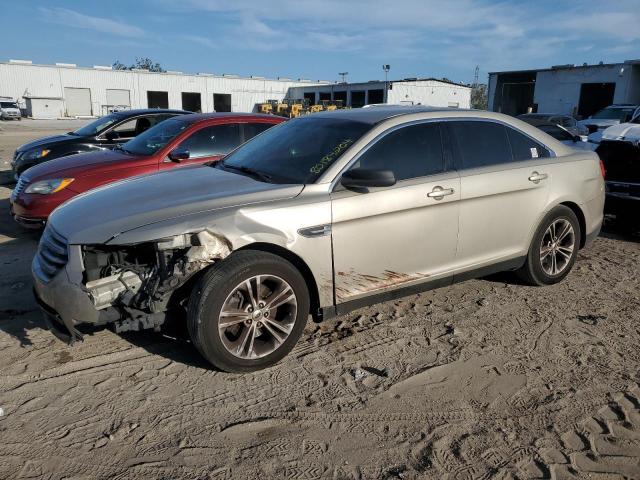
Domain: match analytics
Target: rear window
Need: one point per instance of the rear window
(524, 147)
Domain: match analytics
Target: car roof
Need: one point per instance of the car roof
(147, 111)
(379, 114)
(542, 115)
(200, 117)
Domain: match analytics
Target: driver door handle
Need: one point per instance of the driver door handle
(536, 177)
(439, 192)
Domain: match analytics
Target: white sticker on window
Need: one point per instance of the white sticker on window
(534, 152)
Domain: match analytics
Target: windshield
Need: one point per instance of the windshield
(152, 140)
(8, 105)
(97, 126)
(622, 114)
(297, 151)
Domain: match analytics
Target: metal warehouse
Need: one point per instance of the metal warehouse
(568, 89)
(410, 91)
(51, 91)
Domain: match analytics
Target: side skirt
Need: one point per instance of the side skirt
(346, 307)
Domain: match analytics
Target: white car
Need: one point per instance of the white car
(624, 132)
(9, 110)
(608, 117)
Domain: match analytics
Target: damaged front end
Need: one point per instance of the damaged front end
(136, 285)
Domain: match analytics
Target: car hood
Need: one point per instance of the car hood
(75, 165)
(102, 214)
(44, 141)
(599, 122)
(626, 132)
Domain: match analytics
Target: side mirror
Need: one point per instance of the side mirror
(365, 177)
(112, 135)
(179, 154)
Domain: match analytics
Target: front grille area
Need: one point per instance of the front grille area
(20, 186)
(52, 254)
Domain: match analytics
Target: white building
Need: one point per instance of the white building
(79, 91)
(578, 90)
(410, 91)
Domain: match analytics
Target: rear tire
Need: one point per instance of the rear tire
(553, 249)
(248, 311)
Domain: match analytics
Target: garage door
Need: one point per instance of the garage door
(77, 101)
(118, 98)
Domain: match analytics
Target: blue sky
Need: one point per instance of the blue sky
(317, 39)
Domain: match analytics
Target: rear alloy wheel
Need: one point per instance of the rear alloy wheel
(557, 246)
(554, 248)
(248, 311)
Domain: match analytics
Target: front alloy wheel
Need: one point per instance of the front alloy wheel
(257, 316)
(248, 311)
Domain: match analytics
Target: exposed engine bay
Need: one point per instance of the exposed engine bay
(139, 281)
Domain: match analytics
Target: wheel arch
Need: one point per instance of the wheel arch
(299, 264)
(575, 208)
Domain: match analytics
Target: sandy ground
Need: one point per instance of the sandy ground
(485, 379)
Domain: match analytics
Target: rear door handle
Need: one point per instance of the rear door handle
(438, 192)
(536, 177)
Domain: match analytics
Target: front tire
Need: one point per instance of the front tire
(554, 248)
(248, 311)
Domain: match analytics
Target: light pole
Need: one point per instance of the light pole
(386, 69)
(344, 76)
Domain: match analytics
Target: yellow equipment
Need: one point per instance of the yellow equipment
(281, 109)
(266, 108)
(296, 110)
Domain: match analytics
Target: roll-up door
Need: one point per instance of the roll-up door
(118, 98)
(77, 101)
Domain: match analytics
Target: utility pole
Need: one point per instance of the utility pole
(386, 69)
(475, 77)
(344, 76)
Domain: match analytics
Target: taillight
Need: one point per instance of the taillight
(603, 170)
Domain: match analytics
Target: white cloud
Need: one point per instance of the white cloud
(71, 18)
(461, 33)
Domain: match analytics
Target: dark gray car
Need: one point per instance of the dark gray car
(565, 121)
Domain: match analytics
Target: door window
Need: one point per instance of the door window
(214, 140)
(525, 148)
(253, 129)
(135, 126)
(479, 144)
(409, 152)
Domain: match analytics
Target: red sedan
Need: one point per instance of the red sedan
(180, 141)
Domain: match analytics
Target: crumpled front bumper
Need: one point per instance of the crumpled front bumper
(64, 302)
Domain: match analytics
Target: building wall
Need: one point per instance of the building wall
(431, 93)
(17, 80)
(491, 92)
(425, 92)
(559, 90)
(46, 108)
